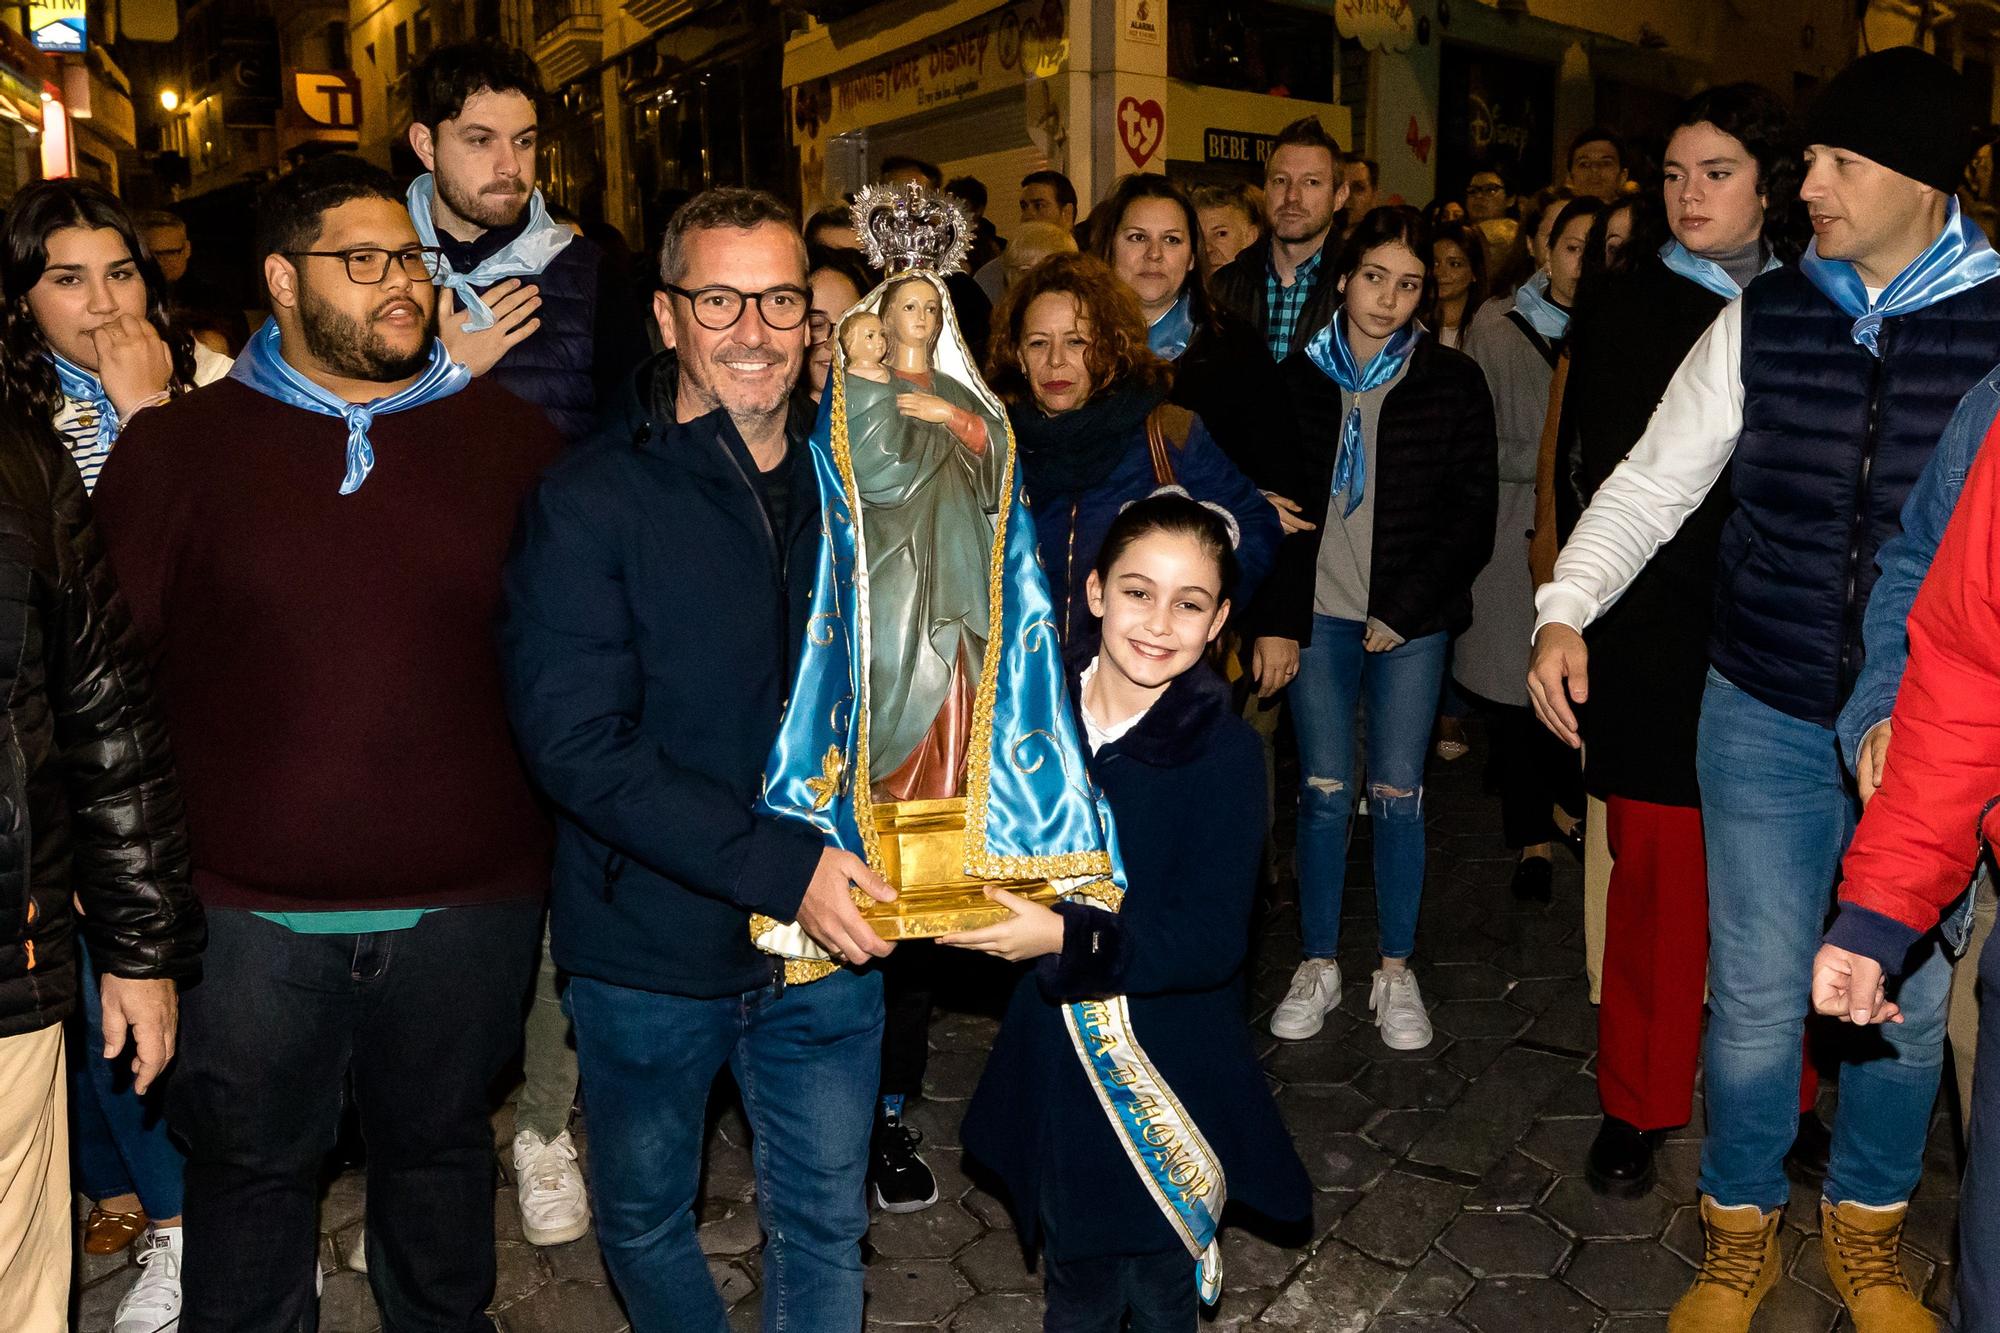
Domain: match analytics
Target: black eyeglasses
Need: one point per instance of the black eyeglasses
(368, 265)
(718, 308)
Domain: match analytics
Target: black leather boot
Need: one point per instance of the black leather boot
(1621, 1160)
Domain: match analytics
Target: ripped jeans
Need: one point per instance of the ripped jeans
(1399, 689)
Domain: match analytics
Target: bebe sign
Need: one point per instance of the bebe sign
(1379, 25)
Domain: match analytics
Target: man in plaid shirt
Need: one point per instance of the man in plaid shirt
(1275, 283)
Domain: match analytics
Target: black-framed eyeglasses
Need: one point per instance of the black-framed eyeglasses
(718, 308)
(368, 265)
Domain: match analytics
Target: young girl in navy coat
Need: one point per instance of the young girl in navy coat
(1184, 777)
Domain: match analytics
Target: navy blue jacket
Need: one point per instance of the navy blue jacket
(1070, 528)
(1186, 789)
(1833, 440)
(648, 639)
(591, 336)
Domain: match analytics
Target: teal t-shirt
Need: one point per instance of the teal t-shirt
(347, 923)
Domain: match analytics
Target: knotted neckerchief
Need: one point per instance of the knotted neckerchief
(1706, 272)
(85, 387)
(1171, 332)
(527, 254)
(263, 367)
(1533, 303)
(1959, 259)
(1329, 351)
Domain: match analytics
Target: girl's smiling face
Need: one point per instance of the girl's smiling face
(1161, 604)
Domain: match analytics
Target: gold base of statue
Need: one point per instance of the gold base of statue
(923, 855)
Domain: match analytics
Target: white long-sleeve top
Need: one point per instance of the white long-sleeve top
(1644, 501)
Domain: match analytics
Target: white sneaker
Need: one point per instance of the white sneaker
(1399, 1010)
(555, 1208)
(153, 1305)
(1315, 990)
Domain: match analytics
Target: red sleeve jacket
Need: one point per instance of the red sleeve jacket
(1919, 841)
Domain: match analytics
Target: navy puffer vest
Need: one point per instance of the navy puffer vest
(1833, 439)
(553, 368)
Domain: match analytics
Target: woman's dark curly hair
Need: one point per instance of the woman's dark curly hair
(1754, 117)
(28, 384)
(1129, 190)
(1118, 358)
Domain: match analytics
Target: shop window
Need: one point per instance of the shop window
(1253, 46)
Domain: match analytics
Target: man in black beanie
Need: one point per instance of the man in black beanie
(1822, 393)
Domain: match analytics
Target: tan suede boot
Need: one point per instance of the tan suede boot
(1863, 1248)
(1739, 1265)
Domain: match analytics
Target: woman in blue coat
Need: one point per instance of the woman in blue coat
(1088, 402)
(1184, 777)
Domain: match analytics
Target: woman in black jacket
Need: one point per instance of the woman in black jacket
(1398, 432)
(1184, 780)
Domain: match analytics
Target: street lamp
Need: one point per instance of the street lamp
(169, 100)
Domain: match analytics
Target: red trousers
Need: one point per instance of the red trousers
(1656, 966)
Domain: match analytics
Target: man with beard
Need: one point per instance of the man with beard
(526, 299)
(1276, 283)
(656, 601)
(312, 549)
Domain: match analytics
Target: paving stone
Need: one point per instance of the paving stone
(1400, 1217)
(1434, 1287)
(347, 1305)
(1516, 1304)
(914, 1291)
(1466, 981)
(995, 1263)
(1678, 1170)
(1395, 1131)
(1480, 1018)
(1525, 962)
(1404, 1086)
(999, 1312)
(1504, 1245)
(578, 1261)
(563, 1307)
(1315, 1112)
(1416, 1323)
(1251, 1263)
(1636, 1323)
(1629, 1274)
(1519, 1181)
(1494, 1112)
(938, 1232)
(1931, 1229)
(1560, 1144)
(964, 1032)
(732, 1281)
(988, 1208)
(1569, 1024)
(1344, 1162)
(951, 1076)
(1469, 1057)
(731, 1231)
(1340, 1291)
(1323, 1059)
(1576, 1095)
(1793, 1307)
(1584, 1213)
(99, 1302)
(727, 1172)
(948, 1168)
(518, 1272)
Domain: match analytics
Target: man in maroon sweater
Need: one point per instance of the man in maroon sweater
(312, 552)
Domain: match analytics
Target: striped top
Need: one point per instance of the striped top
(76, 420)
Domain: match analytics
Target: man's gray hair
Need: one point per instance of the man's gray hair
(712, 210)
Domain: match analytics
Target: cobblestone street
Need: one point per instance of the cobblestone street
(1450, 1186)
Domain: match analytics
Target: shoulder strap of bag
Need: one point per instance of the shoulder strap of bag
(1542, 345)
(1167, 430)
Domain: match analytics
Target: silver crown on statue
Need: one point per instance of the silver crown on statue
(906, 227)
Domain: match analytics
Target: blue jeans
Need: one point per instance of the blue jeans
(121, 1140)
(1400, 689)
(1777, 812)
(807, 1061)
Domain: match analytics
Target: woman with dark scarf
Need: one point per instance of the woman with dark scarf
(1089, 405)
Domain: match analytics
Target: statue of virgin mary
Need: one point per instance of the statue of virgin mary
(929, 727)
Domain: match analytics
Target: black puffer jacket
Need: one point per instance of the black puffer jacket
(1241, 287)
(88, 799)
(1436, 485)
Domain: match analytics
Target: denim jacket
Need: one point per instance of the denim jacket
(1905, 559)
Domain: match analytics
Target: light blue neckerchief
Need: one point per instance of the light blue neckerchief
(263, 367)
(1171, 332)
(1545, 316)
(85, 387)
(527, 254)
(1329, 351)
(1706, 272)
(1959, 259)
